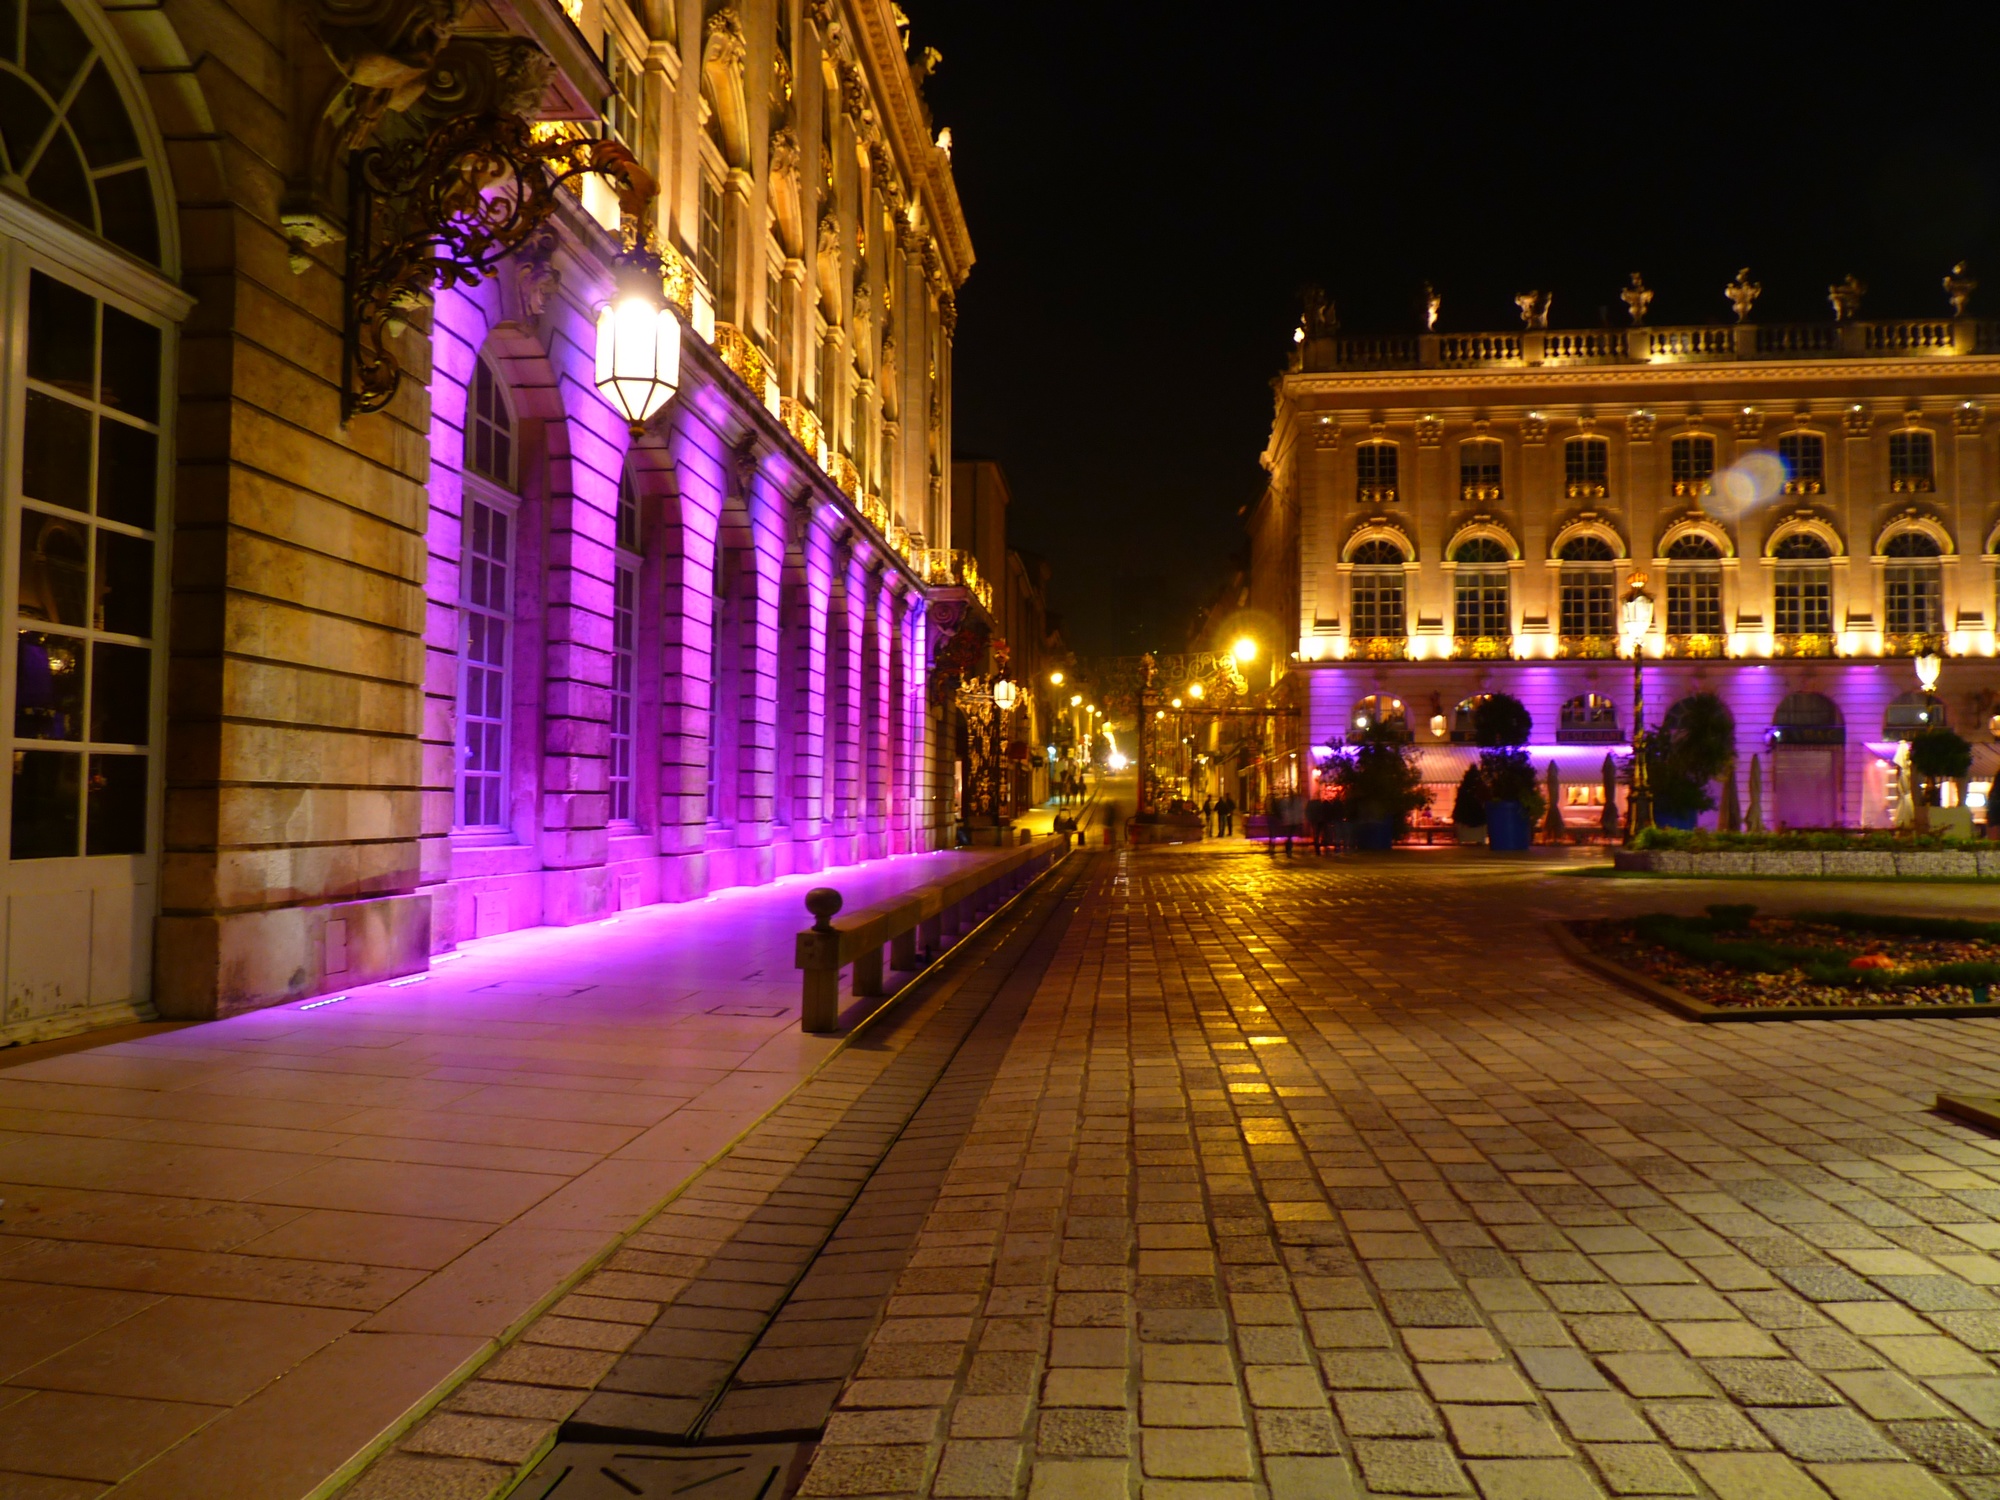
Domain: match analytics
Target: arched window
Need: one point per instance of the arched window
(1590, 719)
(1694, 586)
(485, 604)
(1586, 468)
(1377, 591)
(1479, 472)
(1802, 589)
(1479, 589)
(1912, 714)
(1462, 731)
(1692, 459)
(721, 676)
(624, 653)
(1912, 467)
(66, 137)
(1587, 598)
(1804, 455)
(1912, 585)
(489, 428)
(1375, 473)
(1807, 719)
(1380, 713)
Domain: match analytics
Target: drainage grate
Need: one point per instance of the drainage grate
(626, 1471)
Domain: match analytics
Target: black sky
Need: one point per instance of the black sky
(1148, 187)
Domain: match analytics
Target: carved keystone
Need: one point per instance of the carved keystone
(824, 902)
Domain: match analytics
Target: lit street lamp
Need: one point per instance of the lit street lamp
(1635, 618)
(638, 343)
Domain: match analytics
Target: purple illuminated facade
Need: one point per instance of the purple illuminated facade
(654, 667)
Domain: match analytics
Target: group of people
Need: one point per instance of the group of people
(1069, 787)
(1218, 815)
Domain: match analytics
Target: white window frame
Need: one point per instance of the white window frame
(492, 495)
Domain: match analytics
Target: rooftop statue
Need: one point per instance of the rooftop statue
(1535, 308)
(1846, 297)
(1743, 294)
(1959, 285)
(1637, 298)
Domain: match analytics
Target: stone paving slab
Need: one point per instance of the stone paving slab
(233, 1256)
(1334, 1178)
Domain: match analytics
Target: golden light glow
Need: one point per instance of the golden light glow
(1076, 700)
(1196, 691)
(1056, 679)
(1245, 649)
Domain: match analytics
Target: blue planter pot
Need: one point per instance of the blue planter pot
(1507, 827)
(1373, 837)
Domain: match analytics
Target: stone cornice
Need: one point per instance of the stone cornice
(1649, 377)
(923, 162)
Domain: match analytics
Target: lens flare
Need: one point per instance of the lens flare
(1753, 480)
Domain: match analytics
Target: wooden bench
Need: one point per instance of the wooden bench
(915, 927)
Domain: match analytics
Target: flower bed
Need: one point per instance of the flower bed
(1736, 959)
(1707, 841)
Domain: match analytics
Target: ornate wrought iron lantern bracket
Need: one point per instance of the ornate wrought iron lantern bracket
(445, 211)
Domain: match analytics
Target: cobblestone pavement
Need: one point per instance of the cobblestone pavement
(1296, 1181)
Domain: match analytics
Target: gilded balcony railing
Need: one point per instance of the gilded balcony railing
(1702, 645)
(1912, 484)
(1693, 489)
(677, 278)
(873, 511)
(742, 356)
(1912, 644)
(1483, 647)
(1813, 644)
(1379, 648)
(1479, 494)
(1586, 647)
(1587, 489)
(1375, 494)
(1805, 486)
(801, 423)
(841, 467)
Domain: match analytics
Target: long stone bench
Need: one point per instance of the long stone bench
(915, 927)
(1923, 864)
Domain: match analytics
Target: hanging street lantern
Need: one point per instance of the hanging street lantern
(638, 343)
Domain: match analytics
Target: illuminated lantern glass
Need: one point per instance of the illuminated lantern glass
(638, 356)
(1004, 694)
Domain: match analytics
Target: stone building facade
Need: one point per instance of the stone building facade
(304, 694)
(1809, 507)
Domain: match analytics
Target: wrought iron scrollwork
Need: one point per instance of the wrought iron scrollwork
(445, 211)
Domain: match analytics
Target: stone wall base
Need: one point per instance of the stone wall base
(1930, 864)
(211, 967)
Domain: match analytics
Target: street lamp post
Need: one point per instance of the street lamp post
(1929, 666)
(1635, 617)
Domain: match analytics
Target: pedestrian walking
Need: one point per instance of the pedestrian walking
(1208, 815)
(1225, 817)
(1319, 822)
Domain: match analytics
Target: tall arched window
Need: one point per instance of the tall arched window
(1692, 459)
(1913, 585)
(1588, 719)
(721, 675)
(66, 137)
(1912, 467)
(1377, 591)
(1586, 468)
(1804, 455)
(1479, 472)
(1802, 588)
(1587, 606)
(485, 604)
(1480, 591)
(1462, 717)
(624, 654)
(1375, 473)
(1694, 586)
(1379, 713)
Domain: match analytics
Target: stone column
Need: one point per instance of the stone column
(687, 602)
(844, 697)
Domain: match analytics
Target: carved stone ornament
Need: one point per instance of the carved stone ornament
(948, 313)
(1858, 420)
(384, 52)
(535, 271)
(1743, 294)
(1749, 422)
(1959, 285)
(1433, 305)
(1430, 431)
(722, 39)
(882, 168)
(820, 13)
(1326, 433)
(785, 154)
(445, 211)
(1316, 316)
(1534, 427)
(1969, 417)
(1535, 308)
(1846, 297)
(1637, 297)
(854, 91)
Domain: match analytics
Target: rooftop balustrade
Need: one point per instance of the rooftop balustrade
(1551, 348)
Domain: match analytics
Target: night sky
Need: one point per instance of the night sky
(1148, 188)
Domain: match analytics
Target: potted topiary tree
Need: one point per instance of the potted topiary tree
(1500, 726)
(1382, 786)
(1468, 808)
(1938, 756)
(1685, 754)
